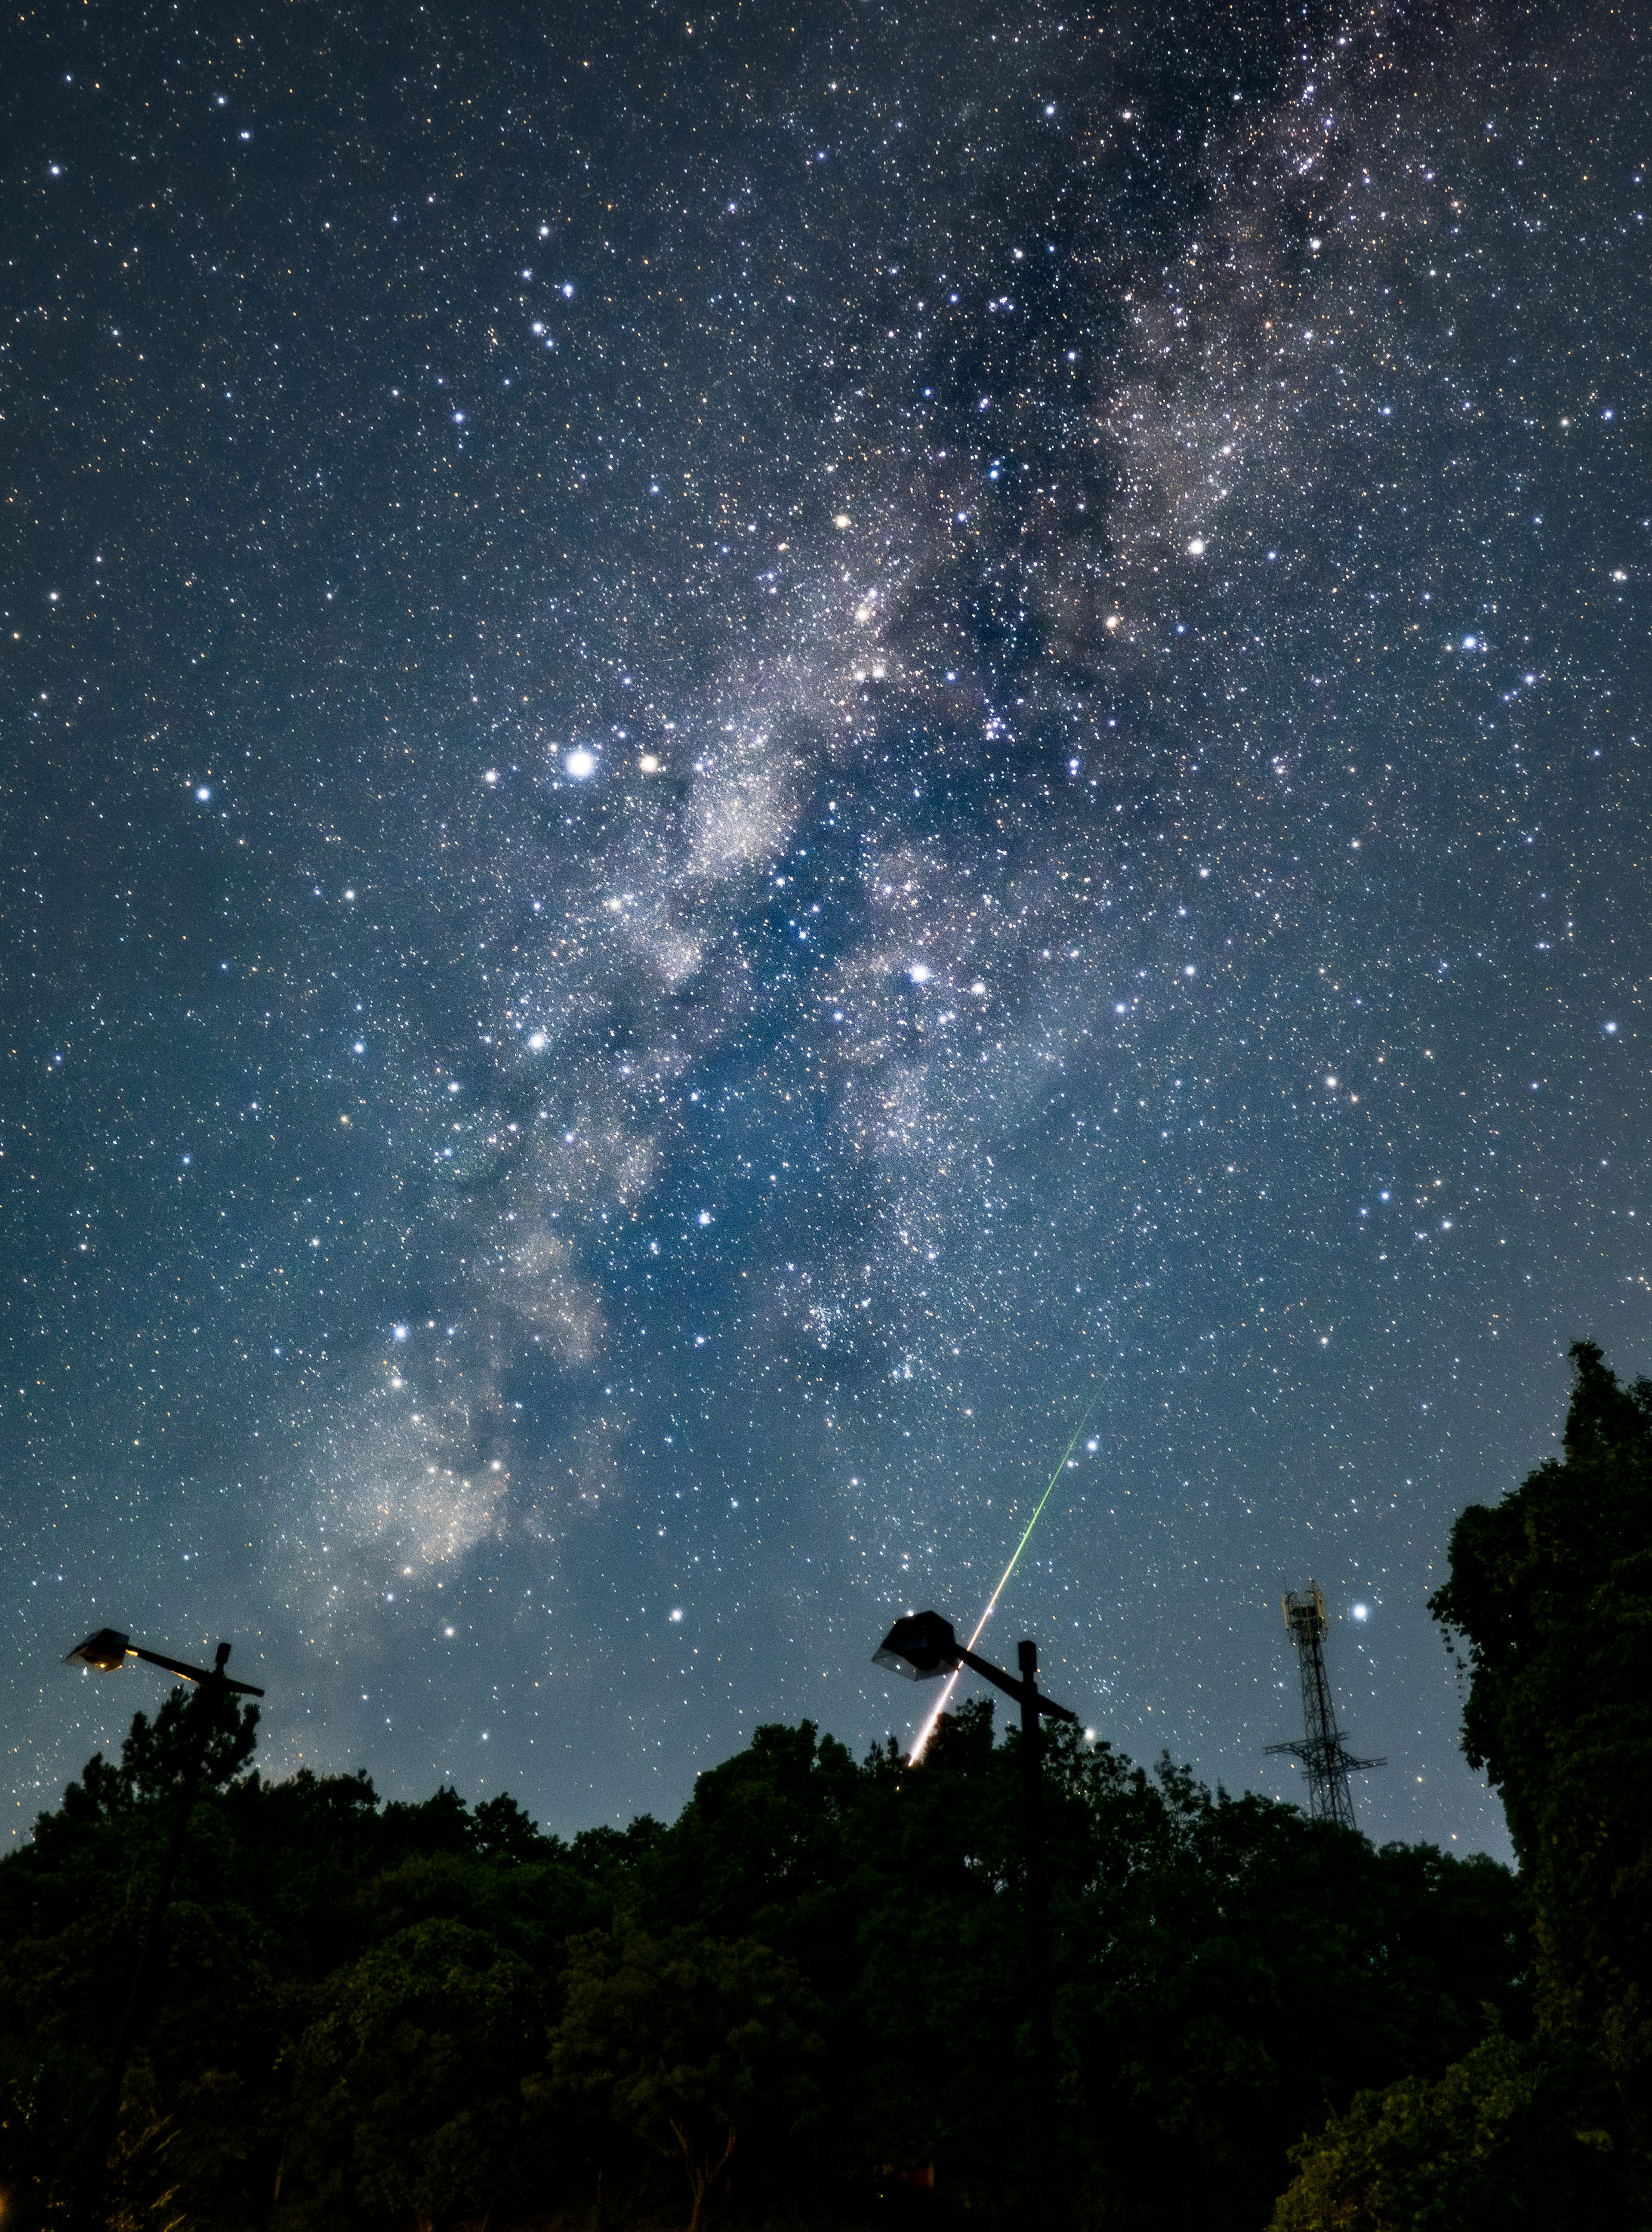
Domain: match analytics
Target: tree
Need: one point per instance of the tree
(1235, 1971)
(155, 1755)
(75, 1906)
(1504, 2140)
(386, 2013)
(937, 1938)
(1553, 1591)
(689, 2042)
(407, 2092)
(503, 1832)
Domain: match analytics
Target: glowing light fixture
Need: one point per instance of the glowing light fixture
(109, 1650)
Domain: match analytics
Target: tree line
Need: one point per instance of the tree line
(802, 2002)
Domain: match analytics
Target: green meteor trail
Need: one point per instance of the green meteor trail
(928, 1729)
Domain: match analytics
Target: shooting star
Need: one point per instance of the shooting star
(951, 1683)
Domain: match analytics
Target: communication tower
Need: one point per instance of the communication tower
(1326, 1760)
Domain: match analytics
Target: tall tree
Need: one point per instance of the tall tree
(1551, 1592)
(1551, 1589)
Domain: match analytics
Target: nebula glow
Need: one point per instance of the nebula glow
(737, 750)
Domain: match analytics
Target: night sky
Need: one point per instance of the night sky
(744, 752)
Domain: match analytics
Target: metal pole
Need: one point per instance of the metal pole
(1038, 1894)
(139, 2012)
(1044, 2186)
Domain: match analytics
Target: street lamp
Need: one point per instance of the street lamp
(104, 1652)
(922, 1646)
(108, 1650)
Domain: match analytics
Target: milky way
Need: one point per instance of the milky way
(742, 756)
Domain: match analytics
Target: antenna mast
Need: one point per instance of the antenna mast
(1326, 1760)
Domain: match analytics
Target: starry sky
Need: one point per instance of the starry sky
(744, 752)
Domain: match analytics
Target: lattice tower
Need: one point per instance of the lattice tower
(1326, 1760)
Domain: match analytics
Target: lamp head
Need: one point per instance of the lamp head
(918, 1646)
(105, 1651)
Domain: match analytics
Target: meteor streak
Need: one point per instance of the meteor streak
(951, 1683)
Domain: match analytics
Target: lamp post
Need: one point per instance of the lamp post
(923, 1645)
(105, 1651)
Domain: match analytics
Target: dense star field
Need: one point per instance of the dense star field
(744, 752)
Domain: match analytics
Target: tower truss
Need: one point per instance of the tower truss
(1326, 1760)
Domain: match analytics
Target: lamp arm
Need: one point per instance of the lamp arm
(989, 1672)
(1012, 1688)
(191, 1673)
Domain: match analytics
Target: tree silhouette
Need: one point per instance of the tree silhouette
(688, 2041)
(1552, 1590)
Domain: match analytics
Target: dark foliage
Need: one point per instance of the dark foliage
(153, 1756)
(1510, 2140)
(1552, 1592)
(422, 2015)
